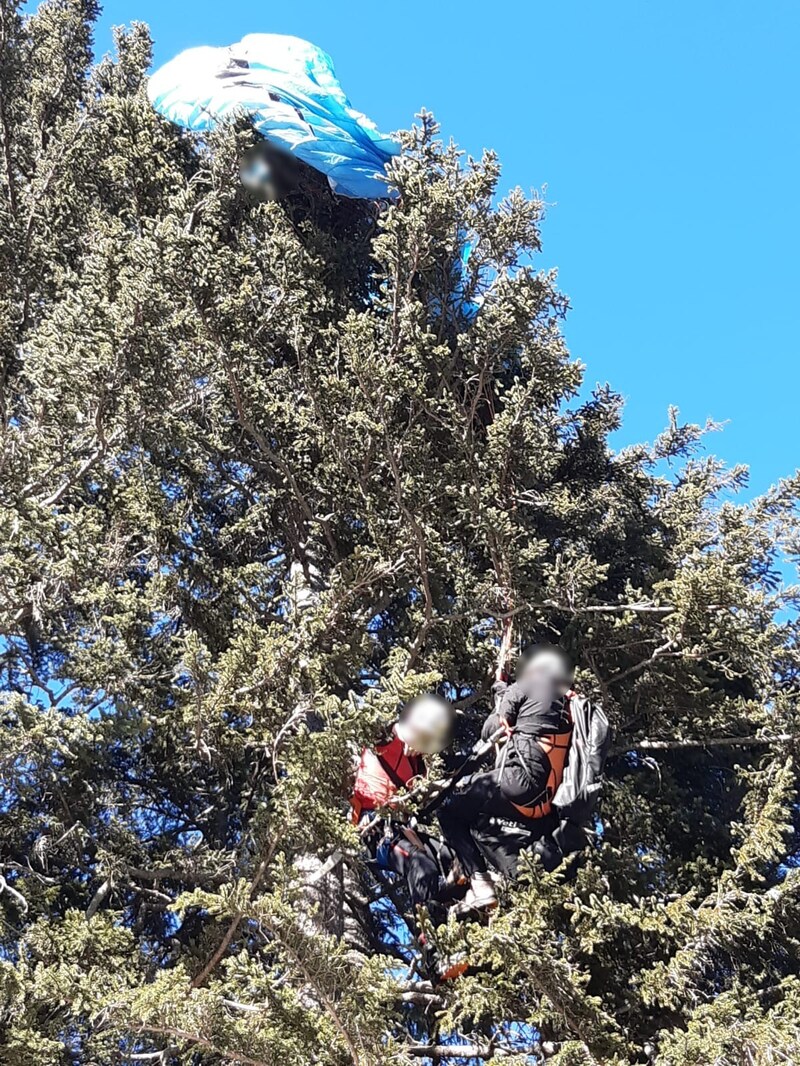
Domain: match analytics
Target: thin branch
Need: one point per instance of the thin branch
(173, 873)
(248, 1008)
(619, 608)
(326, 1000)
(571, 608)
(298, 715)
(272, 457)
(422, 551)
(5, 127)
(198, 1041)
(422, 999)
(710, 742)
(200, 979)
(470, 1051)
(663, 651)
(20, 900)
(85, 466)
(98, 897)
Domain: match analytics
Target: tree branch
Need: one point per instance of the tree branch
(663, 651)
(85, 466)
(422, 999)
(20, 900)
(272, 457)
(470, 1051)
(200, 979)
(198, 1041)
(172, 873)
(604, 608)
(710, 742)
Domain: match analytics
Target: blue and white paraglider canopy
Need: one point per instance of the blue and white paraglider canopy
(290, 90)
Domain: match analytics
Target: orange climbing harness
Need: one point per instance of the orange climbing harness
(556, 748)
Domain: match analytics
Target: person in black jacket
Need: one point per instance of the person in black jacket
(532, 708)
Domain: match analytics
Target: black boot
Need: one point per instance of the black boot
(549, 852)
(439, 968)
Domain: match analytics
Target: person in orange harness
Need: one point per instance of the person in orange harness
(423, 728)
(534, 712)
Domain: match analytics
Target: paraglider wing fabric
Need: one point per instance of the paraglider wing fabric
(468, 308)
(289, 88)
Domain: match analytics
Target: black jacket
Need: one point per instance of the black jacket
(533, 707)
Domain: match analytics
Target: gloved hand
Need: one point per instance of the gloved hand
(498, 690)
(549, 852)
(490, 726)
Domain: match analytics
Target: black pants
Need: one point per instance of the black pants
(503, 842)
(418, 866)
(423, 866)
(466, 817)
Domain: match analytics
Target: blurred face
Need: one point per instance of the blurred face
(425, 726)
(550, 665)
(257, 174)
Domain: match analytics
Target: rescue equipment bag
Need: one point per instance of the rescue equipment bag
(575, 798)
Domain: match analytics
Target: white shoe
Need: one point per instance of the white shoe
(480, 895)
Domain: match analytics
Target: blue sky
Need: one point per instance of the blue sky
(666, 135)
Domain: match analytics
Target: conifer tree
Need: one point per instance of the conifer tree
(266, 471)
